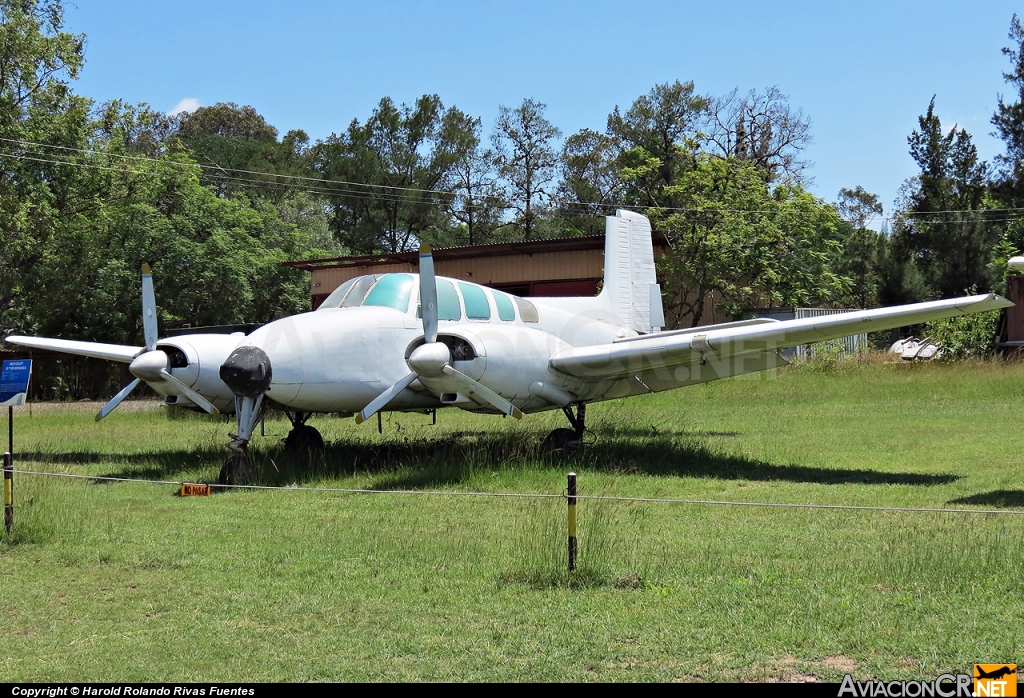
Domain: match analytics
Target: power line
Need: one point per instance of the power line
(394, 193)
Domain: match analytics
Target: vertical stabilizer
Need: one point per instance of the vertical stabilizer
(629, 271)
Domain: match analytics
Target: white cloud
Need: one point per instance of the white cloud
(187, 106)
(955, 126)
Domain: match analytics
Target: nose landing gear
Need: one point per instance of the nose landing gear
(247, 372)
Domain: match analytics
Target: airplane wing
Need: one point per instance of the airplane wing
(660, 350)
(96, 350)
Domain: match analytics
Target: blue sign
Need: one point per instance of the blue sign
(14, 382)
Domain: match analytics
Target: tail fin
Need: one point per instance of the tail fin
(630, 287)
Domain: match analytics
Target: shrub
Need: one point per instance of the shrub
(965, 336)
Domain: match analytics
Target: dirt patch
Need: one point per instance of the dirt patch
(794, 677)
(840, 662)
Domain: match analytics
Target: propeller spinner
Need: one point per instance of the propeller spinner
(432, 359)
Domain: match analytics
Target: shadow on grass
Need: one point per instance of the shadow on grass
(1009, 499)
(449, 459)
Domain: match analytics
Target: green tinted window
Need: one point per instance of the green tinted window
(338, 295)
(391, 291)
(447, 301)
(477, 307)
(506, 311)
(358, 292)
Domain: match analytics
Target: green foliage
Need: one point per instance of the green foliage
(398, 159)
(1009, 121)
(741, 242)
(947, 231)
(526, 161)
(965, 336)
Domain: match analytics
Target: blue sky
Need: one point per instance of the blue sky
(862, 71)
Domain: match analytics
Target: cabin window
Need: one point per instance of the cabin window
(391, 291)
(527, 310)
(477, 307)
(506, 311)
(338, 295)
(448, 307)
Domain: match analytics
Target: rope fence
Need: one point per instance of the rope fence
(540, 495)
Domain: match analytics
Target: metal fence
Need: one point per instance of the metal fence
(846, 345)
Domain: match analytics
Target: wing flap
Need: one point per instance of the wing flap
(95, 350)
(672, 349)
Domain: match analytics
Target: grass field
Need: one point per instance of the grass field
(130, 582)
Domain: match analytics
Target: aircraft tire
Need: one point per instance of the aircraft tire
(560, 440)
(238, 470)
(303, 437)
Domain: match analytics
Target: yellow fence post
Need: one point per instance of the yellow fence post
(8, 492)
(571, 496)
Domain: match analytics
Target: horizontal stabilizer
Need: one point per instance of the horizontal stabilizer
(95, 350)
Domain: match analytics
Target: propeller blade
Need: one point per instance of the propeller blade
(189, 393)
(148, 308)
(428, 294)
(116, 400)
(472, 387)
(382, 400)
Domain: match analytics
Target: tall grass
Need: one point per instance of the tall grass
(608, 538)
(952, 553)
(48, 510)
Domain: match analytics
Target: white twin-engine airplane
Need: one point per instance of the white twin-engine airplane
(369, 347)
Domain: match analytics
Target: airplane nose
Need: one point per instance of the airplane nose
(247, 371)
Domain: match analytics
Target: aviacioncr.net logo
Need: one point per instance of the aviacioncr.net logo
(944, 686)
(995, 680)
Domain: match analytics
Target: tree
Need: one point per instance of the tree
(234, 144)
(590, 182)
(229, 121)
(1009, 121)
(857, 206)
(739, 243)
(945, 228)
(39, 115)
(478, 202)
(762, 128)
(657, 138)
(861, 245)
(526, 160)
(393, 167)
(1008, 187)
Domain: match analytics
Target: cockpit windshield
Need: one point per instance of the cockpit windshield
(395, 291)
(382, 290)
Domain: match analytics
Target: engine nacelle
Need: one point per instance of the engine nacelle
(509, 360)
(195, 360)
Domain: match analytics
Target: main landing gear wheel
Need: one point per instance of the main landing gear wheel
(239, 469)
(568, 440)
(560, 440)
(303, 437)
